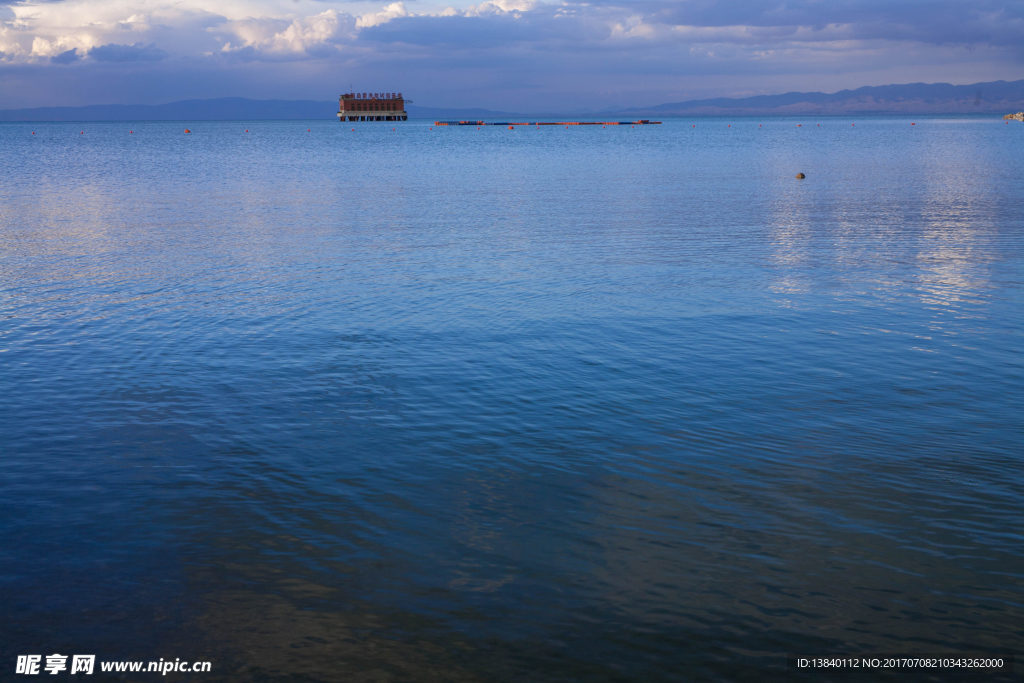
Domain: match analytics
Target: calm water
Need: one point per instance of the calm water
(587, 404)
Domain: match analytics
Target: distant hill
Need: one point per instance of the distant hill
(220, 109)
(913, 98)
(997, 97)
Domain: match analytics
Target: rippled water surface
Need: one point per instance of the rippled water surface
(542, 404)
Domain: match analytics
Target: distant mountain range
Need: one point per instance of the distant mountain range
(997, 97)
(220, 109)
(912, 98)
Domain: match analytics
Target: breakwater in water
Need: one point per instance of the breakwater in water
(546, 123)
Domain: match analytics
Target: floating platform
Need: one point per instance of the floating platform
(372, 106)
(642, 122)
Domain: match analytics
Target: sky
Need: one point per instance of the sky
(512, 55)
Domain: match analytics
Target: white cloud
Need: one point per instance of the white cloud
(42, 47)
(271, 37)
(42, 30)
(501, 6)
(392, 11)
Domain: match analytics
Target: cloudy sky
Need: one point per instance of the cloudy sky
(519, 55)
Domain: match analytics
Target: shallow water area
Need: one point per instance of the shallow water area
(429, 403)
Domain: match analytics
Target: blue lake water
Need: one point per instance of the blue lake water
(409, 403)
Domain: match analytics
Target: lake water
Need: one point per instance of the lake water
(412, 403)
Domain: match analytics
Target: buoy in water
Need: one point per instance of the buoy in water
(187, 130)
(800, 176)
(913, 124)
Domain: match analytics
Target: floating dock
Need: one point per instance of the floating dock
(642, 122)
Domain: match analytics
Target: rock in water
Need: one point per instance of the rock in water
(1019, 116)
(801, 176)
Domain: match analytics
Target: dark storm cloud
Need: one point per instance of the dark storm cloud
(66, 57)
(127, 53)
(768, 25)
(942, 21)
